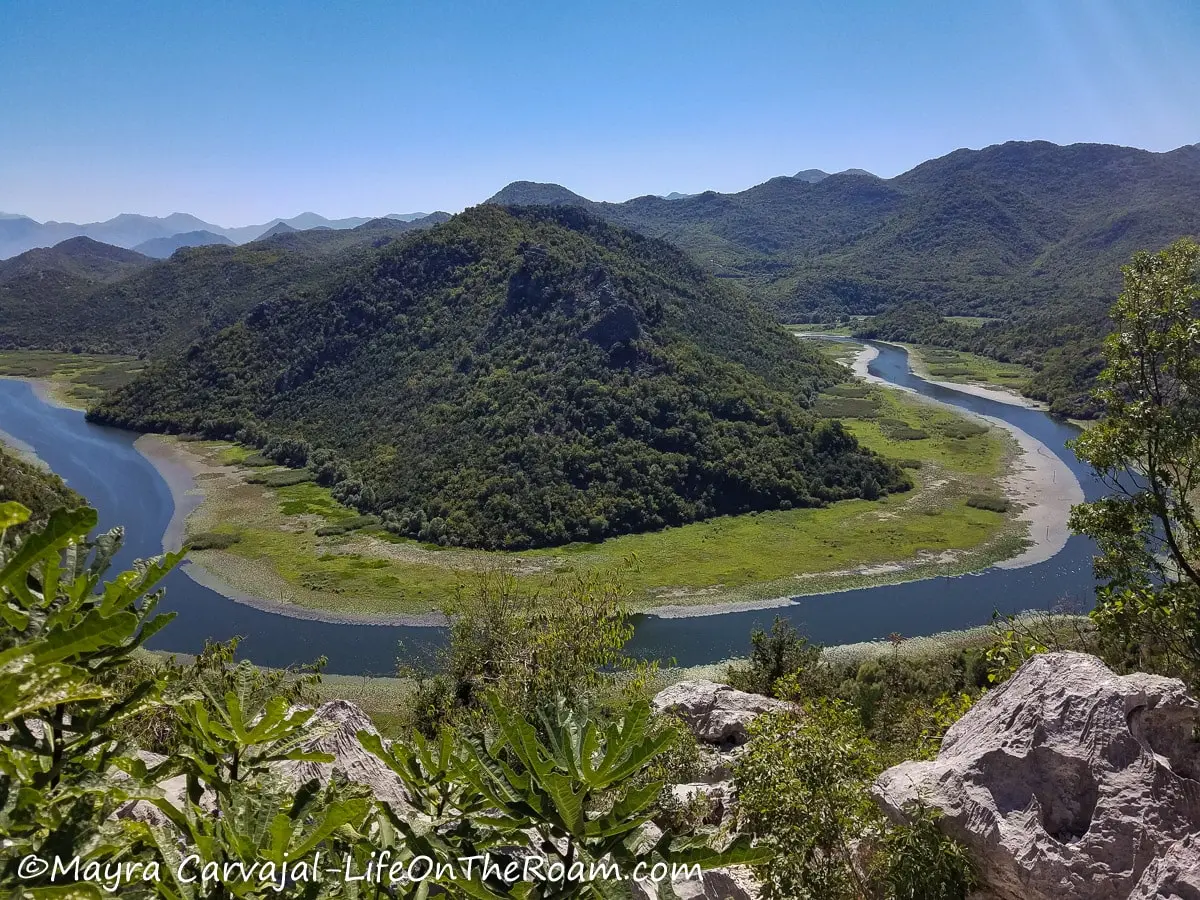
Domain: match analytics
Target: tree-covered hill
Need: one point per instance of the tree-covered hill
(518, 378)
(130, 304)
(1033, 234)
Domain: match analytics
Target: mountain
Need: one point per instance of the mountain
(1030, 233)
(146, 307)
(518, 379)
(44, 283)
(532, 193)
(675, 195)
(20, 233)
(812, 176)
(161, 248)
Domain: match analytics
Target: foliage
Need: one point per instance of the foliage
(61, 639)
(566, 780)
(213, 540)
(516, 379)
(803, 789)
(38, 490)
(529, 648)
(1146, 450)
(780, 653)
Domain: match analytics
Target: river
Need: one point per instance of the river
(102, 464)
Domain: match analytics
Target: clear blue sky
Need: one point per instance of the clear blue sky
(242, 111)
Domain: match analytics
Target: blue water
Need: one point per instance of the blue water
(102, 465)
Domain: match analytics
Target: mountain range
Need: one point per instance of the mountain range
(19, 233)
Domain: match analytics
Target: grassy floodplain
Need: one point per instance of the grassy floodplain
(939, 364)
(73, 379)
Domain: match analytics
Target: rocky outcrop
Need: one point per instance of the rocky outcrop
(716, 713)
(335, 726)
(1069, 781)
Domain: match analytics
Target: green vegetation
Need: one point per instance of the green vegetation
(74, 379)
(1146, 450)
(33, 486)
(519, 380)
(988, 501)
(78, 701)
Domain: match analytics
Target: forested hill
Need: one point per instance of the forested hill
(518, 378)
(1033, 234)
(89, 296)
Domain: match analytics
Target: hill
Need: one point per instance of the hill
(161, 248)
(512, 379)
(1033, 234)
(35, 488)
(145, 307)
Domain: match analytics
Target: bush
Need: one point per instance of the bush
(282, 478)
(213, 540)
(961, 429)
(846, 407)
(257, 461)
(345, 526)
(989, 502)
(901, 431)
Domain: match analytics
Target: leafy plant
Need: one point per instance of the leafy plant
(567, 783)
(62, 639)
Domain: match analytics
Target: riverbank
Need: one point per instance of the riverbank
(725, 565)
(1043, 485)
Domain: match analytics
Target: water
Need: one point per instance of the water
(102, 465)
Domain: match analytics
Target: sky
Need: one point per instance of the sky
(242, 111)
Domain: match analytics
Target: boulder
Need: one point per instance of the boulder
(715, 713)
(335, 726)
(718, 795)
(1068, 781)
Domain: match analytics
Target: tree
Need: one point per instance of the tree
(1146, 450)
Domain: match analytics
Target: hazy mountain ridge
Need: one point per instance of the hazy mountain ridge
(19, 233)
(161, 248)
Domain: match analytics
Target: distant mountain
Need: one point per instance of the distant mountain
(20, 233)
(675, 195)
(95, 297)
(514, 379)
(812, 176)
(161, 248)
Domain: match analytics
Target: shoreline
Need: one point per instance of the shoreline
(1046, 487)
(1007, 396)
(1041, 484)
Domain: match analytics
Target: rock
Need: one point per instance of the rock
(1173, 876)
(715, 713)
(1069, 781)
(719, 796)
(335, 727)
(731, 883)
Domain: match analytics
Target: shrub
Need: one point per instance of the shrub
(282, 478)
(901, 431)
(989, 502)
(774, 655)
(344, 526)
(213, 540)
